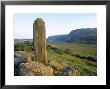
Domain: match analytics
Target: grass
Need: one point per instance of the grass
(86, 66)
(81, 50)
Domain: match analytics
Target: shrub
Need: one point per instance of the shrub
(55, 49)
(24, 46)
(67, 51)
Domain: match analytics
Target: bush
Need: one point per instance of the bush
(67, 51)
(24, 46)
(55, 49)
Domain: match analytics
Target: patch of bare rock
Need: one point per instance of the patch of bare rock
(35, 69)
(25, 66)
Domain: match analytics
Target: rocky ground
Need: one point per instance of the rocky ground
(24, 65)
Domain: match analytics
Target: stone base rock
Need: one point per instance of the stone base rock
(18, 58)
(34, 69)
(71, 72)
(58, 67)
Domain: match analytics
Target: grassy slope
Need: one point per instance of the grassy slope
(78, 49)
(87, 67)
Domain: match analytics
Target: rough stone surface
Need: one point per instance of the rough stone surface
(71, 72)
(39, 37)
(27, 55)
(57, 65)
(34, 69)
(18, 58)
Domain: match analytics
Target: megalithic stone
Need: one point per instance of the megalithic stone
(39, 38)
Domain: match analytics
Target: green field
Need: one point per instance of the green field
(76, 56)
(80, 57)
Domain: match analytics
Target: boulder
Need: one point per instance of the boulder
(71, 72)
(28, 55)
(58, 65)
(18, 58)
(34, 69)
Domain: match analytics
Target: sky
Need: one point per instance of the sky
(56, 24)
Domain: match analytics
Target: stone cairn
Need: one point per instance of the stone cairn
(39, 39)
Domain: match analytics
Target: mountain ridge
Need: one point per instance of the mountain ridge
(83, 35)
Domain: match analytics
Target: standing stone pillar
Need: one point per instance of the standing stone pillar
(39, 39)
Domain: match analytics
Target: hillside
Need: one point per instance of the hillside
(83, 36)
(81, 59)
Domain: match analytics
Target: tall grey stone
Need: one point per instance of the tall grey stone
(39, 38)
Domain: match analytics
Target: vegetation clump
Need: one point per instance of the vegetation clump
(24, 46)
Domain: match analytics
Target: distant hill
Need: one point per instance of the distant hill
(22, 40)
(59, 38)
(83, 35)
